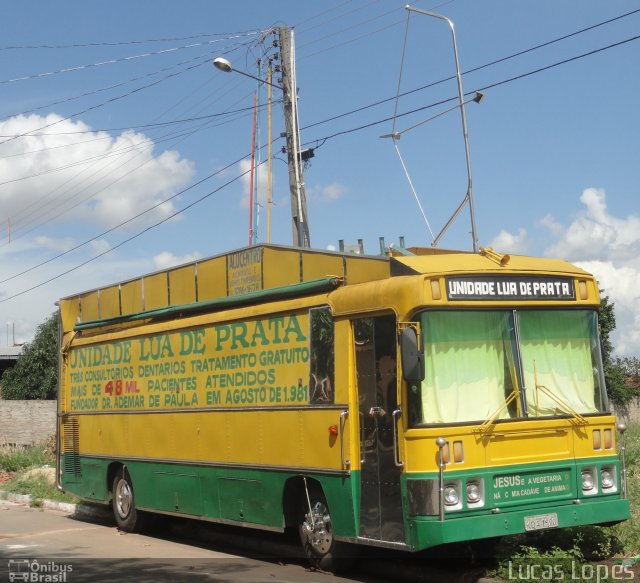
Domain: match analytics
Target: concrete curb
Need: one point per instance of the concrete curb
(77, 510)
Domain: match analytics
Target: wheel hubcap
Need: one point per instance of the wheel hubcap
(317, 529)
(123, 498)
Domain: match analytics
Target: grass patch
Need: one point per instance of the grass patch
(30, 472)
(14, 459)
(38, 486)
(629, 532)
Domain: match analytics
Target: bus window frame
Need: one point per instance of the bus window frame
(413, 387)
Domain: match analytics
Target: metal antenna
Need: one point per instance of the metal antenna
(468, 197)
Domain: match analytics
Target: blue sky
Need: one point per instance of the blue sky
(112, 118)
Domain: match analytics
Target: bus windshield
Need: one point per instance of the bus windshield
(547, 361)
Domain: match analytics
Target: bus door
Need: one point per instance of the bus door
(380, 499)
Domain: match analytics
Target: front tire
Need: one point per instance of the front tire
(127, 516)
(316, 535)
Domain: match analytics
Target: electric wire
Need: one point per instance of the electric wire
(496, 84)
(474, 69)
(133, 237)
(172, 136)
(108, 88)
(118, 60)
(117, 43)
(183, 135)
(61, 210)
(123, 223)
(541, 69)
(479, 89)
(108, 101)
(409, 92)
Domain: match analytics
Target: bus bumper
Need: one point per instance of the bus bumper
(429, 531)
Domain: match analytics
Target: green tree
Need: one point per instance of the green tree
(615, 377)
(35, 374)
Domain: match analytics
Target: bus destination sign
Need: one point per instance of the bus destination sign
(499, 287)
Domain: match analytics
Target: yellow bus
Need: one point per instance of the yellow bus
(401, 401)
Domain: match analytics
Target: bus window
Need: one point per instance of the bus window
(474, 361)
(560, 361)
(321, 378)
(469, 368)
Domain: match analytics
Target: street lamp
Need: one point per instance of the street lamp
(224, 65)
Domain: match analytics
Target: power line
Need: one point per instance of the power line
(117, 43)
(517, 77)
(116, 60)
(479, 89)
(139, 234)
(108, 88)
(386, 100)
(474, 69)
(115, 153)
(166, 137)
(122, 224)
(111, 100)
(131, 127)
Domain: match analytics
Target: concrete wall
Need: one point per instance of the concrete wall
(629, 414)
(26, 422)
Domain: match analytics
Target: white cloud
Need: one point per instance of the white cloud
(609, 248)
(100, 246)
(56, 172)
(29, 309)
(622, 285)
(595, 234)
(332, 192)
(260, 182)
(63, 244)
(506, 242)
(167, 259)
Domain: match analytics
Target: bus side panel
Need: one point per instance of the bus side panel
(244, 495)
(230, 465)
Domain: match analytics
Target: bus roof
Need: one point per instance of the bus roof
(459, 262)
(243, 274)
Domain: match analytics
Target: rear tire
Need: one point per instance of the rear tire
(127, 516)
(316, 535)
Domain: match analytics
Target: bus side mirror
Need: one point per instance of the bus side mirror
(411, 355)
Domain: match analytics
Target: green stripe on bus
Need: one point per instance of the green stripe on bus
(244, 495)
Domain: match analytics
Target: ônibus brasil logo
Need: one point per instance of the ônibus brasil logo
(31, 570)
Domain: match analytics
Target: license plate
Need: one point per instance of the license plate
(541, 521)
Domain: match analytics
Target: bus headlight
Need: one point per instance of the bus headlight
(451, 497)
(473, 492)
(606, 479)
(588, 481)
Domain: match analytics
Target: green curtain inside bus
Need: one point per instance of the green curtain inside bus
(467, 373)
(556, 353)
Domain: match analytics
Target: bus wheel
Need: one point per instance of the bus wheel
(316, 535)
(124, 508)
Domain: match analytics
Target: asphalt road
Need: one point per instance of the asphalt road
(56, 547)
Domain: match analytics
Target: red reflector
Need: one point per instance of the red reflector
(333, 430)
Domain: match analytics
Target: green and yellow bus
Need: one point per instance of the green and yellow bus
(398, 401)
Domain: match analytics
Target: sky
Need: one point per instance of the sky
(124, 151)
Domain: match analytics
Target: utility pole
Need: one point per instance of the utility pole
(300, 224)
